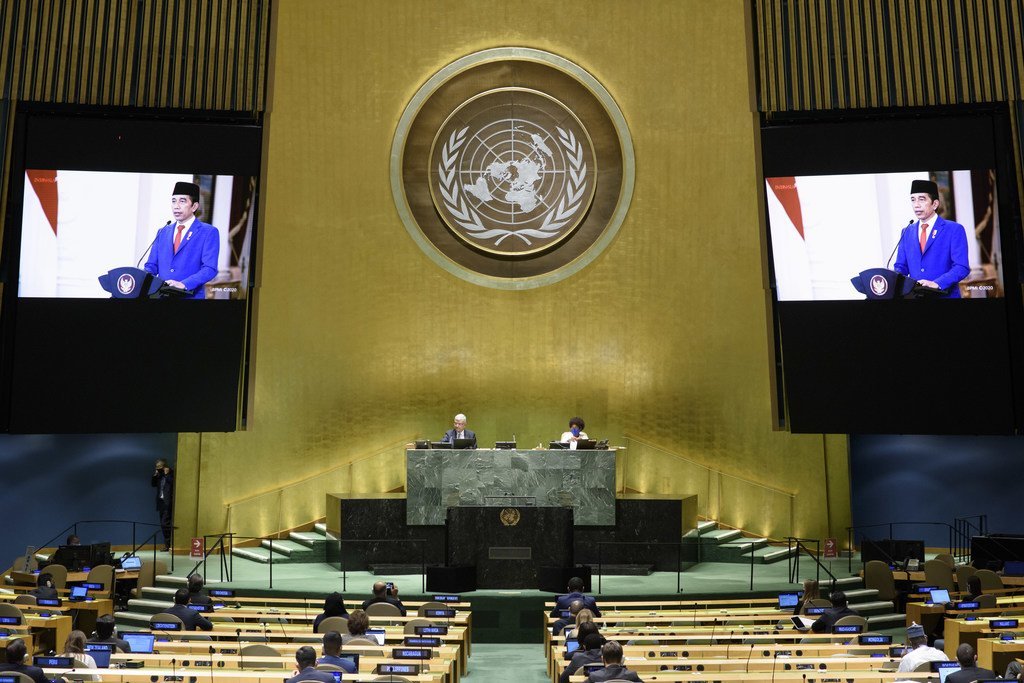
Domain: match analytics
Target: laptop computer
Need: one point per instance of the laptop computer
(141, 642)
(944, 669)
(352, 657)
(440, 444)
(78, 593)
(422, 445)
(571, 645)
(100, 652)
(939, 596)
(131, 563)
(788, 600)
(376, 634)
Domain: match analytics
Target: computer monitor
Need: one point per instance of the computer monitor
(586, 445)
(558, 445)
(505, 445)
(463, 443)
(352, 657)
(440, 444)
(99, 553)
(72, 557)
(141, 642)
(1013, 568)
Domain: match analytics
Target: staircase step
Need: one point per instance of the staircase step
(702, 527)
(289, 549)
(733, 551)
(771, 554)
(321, 528)
(860, 594)
(720, 536)
(873, 608)
(891, 620)
(261, 555)
(846, 583)
(309, 539)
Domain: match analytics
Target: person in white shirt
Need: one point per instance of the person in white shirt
(920, 652)
(575, 432)
(74, 647)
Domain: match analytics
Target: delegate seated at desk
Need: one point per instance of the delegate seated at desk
(575, 432)
(459, 431)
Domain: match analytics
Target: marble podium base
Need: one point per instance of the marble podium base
(440, 479)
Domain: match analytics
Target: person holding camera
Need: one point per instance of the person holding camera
(163, 482)
(385, 592)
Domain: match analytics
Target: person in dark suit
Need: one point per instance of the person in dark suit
(826, 623)
(969, 669)
(191, 618)
(589, 652)
(105, 634)
(334, 606)
(932, 251)
(44, 587)
(575, 588)
(197, 594)
(186, 250)
(381, 593)
(332, 648)
(305, 658)
(16, 652)
(163, 482)
(611, 655)
(459, 431)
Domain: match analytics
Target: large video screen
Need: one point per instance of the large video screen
(67, 242)
(129, 264)
(826, 229)
(924, 202)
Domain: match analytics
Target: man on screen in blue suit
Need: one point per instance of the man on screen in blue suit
(932, 251)
(185, 251)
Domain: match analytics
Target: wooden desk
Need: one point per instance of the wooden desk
(996, 654)
(49, 633)
(219, 675)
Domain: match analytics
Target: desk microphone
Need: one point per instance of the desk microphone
(898, 243)
(714, 625)
(139, 262)
(514, 442)
(212, 652)
(174, 669)
(241, 657)
(746, 667)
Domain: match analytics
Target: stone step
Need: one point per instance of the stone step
(772, 554)
(733, 551)
(144, 606)
(702, 527)
(290, 549)
(261, 555)
(891, 620)
(846, 583)
(720, 536)
(872, 608)
(309, 539)
(860, 594)
(321, 528)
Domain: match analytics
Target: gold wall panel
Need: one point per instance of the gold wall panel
(362, 341)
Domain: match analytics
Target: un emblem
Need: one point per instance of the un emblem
(509, 516)
(512, 172)
(512, 168)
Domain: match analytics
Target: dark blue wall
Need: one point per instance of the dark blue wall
(936, 479)
(55, 480)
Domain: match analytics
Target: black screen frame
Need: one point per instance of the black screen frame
(91, 365)
(836, 359)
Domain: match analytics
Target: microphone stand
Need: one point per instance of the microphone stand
(897, 244)
(139, 262)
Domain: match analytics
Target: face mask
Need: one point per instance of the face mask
(575, 431)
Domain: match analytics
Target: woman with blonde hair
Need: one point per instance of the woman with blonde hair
(810, 593)
(74, 647)
(582, 617)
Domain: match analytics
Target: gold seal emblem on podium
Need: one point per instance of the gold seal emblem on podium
(509, 516)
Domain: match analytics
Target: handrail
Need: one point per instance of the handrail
(73, 528)
(851, 529)
(794, 567)
(322, 473)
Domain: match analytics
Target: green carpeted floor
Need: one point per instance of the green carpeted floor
(500, 662)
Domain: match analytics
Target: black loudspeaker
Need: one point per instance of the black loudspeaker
(555, 579)
(451, 579)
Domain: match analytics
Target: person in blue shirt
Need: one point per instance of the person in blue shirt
(932, 251)
(332, 648)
